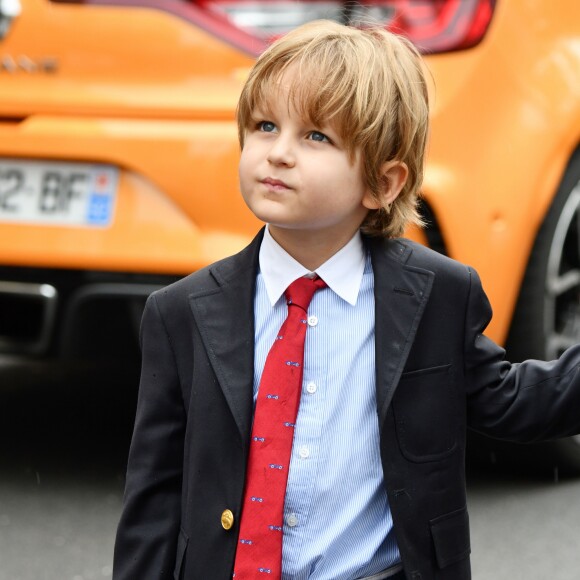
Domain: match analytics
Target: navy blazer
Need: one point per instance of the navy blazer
(436, 374)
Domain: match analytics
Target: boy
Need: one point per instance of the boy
(367, 481)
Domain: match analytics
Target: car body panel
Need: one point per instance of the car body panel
(155, 96)
(505, 121)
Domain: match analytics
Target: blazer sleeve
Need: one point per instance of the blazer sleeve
(525, 402)
(147, 534)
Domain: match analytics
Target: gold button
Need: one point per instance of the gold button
(227, 519)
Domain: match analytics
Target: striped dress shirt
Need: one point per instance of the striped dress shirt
(337, 521)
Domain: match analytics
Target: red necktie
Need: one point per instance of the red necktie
(259, 554)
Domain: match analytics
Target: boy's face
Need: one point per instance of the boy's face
(299, 177)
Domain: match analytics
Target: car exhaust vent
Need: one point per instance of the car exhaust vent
(27, 314)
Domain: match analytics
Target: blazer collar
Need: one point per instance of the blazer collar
(224, 312)
(401, 293)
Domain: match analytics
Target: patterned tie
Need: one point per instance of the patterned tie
(259, 554)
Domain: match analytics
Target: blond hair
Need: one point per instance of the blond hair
(368, 84)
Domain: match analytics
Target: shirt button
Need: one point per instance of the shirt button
(304, 452)
(311, 387)
(292, 520)
(312, 320)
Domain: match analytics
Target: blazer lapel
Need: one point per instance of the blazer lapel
(401, 293)
(224, 313)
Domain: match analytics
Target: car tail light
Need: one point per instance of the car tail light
(432, 25)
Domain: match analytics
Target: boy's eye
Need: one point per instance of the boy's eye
(266, 126)
(318, 136)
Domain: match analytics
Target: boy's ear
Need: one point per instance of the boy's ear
(393, 178)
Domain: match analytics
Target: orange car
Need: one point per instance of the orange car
(118, 155)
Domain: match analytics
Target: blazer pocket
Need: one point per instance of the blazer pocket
(426, 371)
(182, 541)
(425, 410)
(450, 534)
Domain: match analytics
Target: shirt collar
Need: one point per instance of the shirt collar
(342, 273)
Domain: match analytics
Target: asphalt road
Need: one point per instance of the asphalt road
(64, 434)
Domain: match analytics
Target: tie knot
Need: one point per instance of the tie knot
(301, 291)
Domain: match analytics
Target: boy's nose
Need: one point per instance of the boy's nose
(281, 153)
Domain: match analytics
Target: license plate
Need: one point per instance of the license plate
(57, 193)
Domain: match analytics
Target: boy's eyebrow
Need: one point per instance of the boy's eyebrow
(260, 111)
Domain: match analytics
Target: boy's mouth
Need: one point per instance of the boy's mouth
(274, 184)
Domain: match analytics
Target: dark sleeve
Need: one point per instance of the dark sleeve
(147, 534)
(529, 401)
